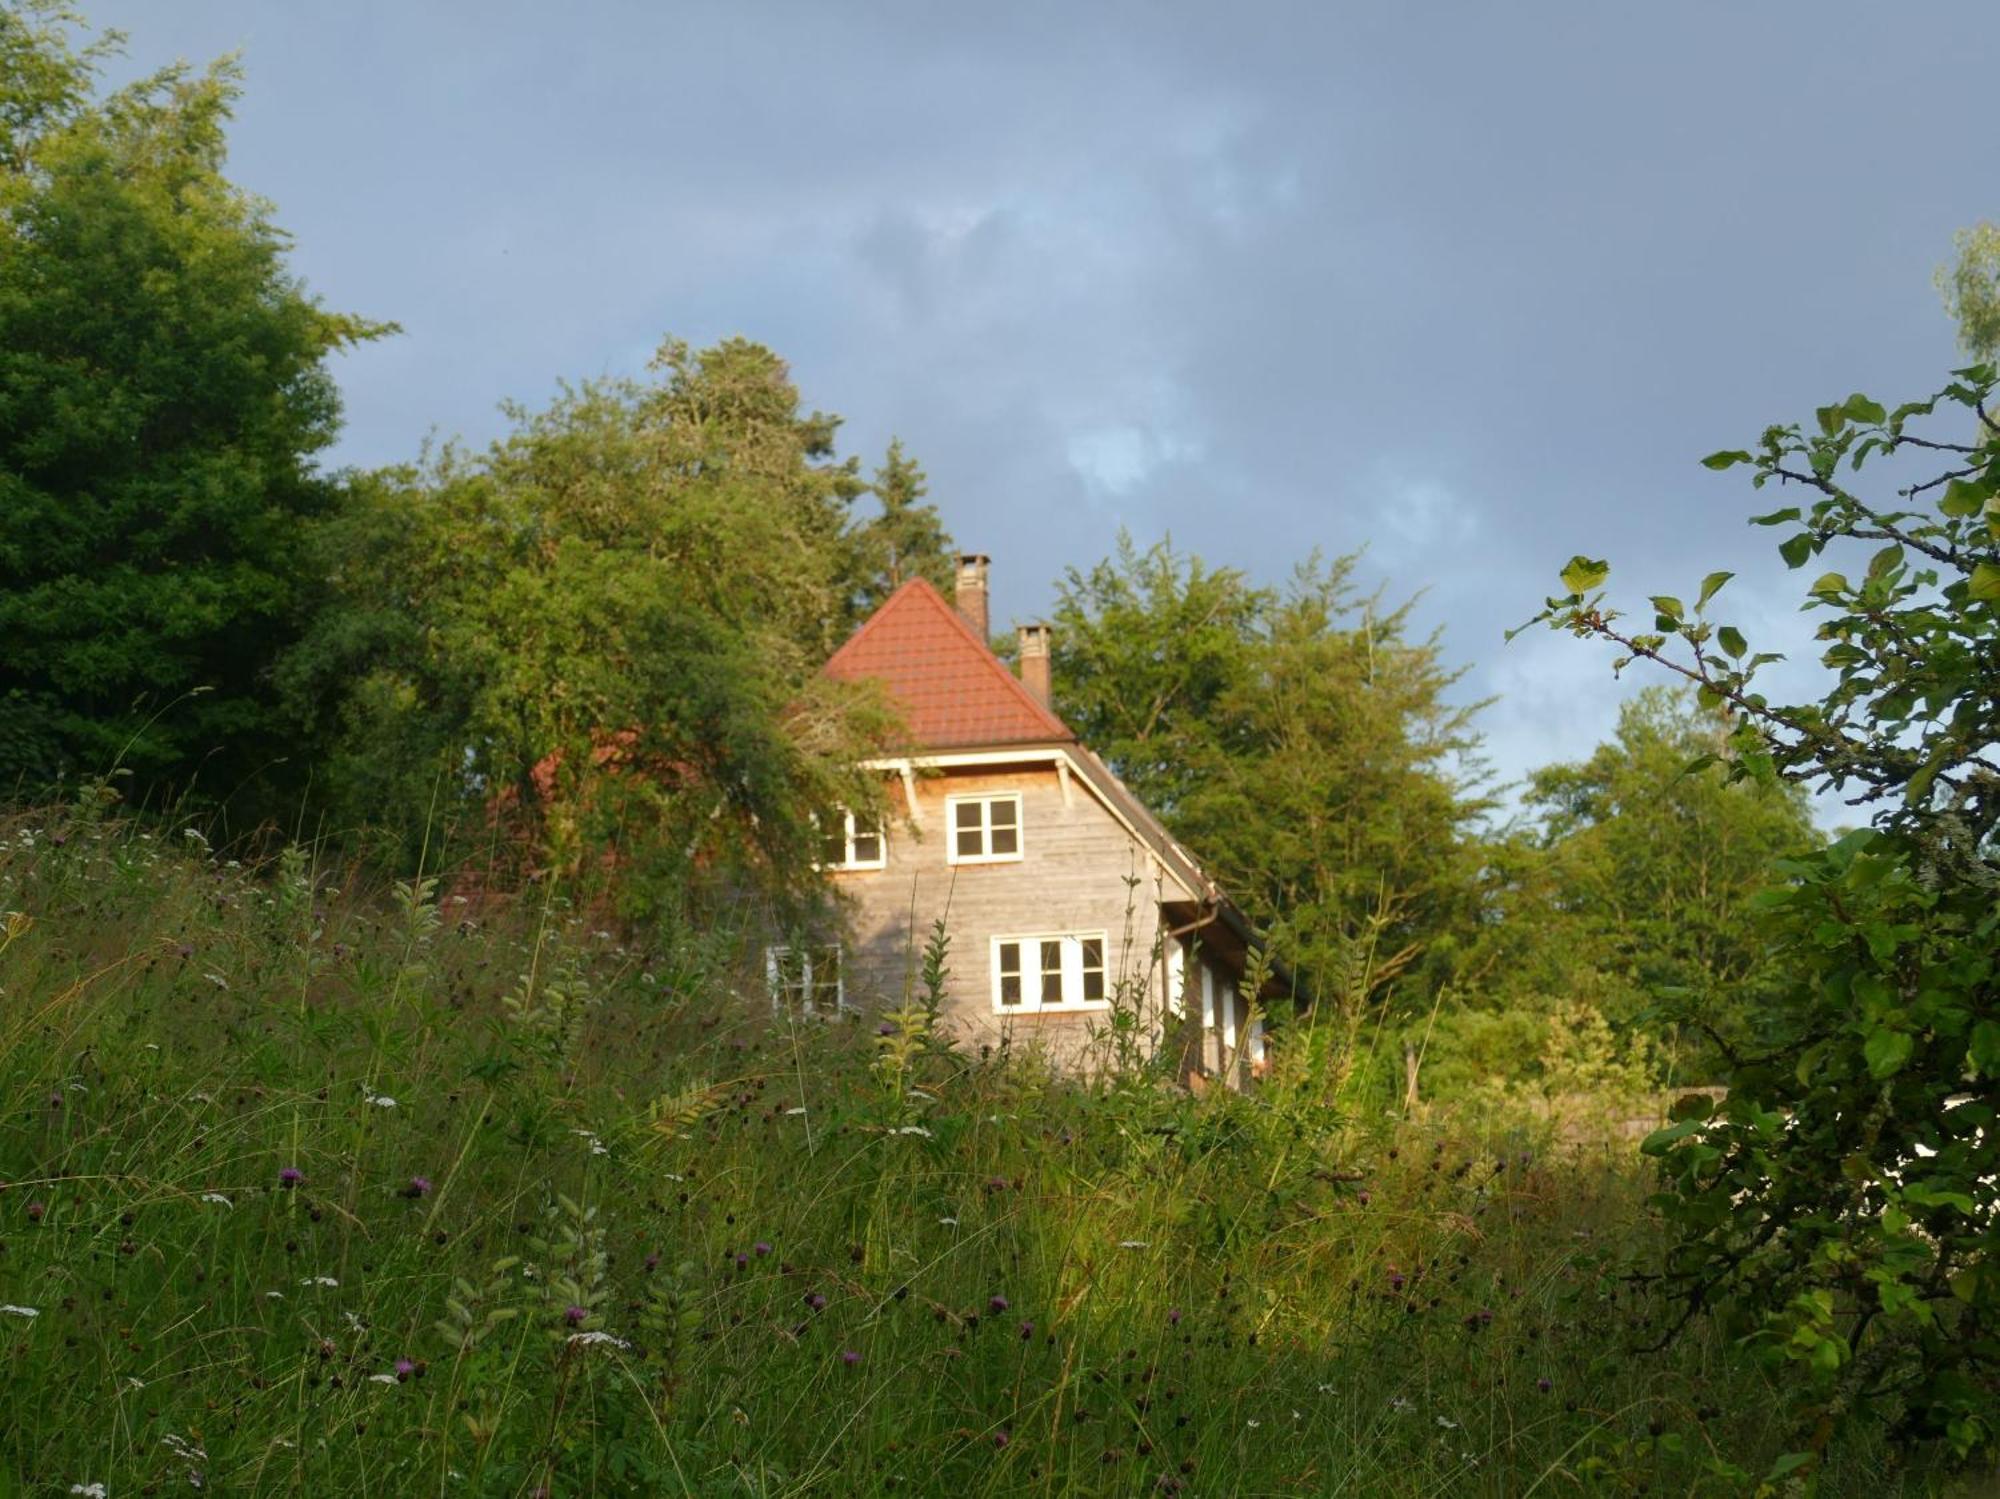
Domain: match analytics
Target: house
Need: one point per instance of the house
(1061, 892)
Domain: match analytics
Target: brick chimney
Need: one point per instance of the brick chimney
(970, 592)
(1035, 662)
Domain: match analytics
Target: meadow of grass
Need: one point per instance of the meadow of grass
(363, 1191)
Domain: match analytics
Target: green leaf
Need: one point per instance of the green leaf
(1731, 640)
(1584, 573)
(1662, 1140)
(1860, 409)
(1728, 458)
(1985, 1047)
(1961, 498)
(1985, 584)
(1886, 1051)
(1828, 583)
(1709, 586)
(1669, 607)
(1776, 517)
(1795, 549)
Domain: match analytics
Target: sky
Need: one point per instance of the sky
(1470, 286)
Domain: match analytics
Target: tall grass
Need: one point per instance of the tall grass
(311, 1188)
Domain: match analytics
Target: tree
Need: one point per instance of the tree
(163, 392)
(1654, 873)
(603, 634)
(1971, 289)
(906, 540)
(1843, 1204)
(1299, 743)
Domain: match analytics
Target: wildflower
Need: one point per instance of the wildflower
(996, 1304)
(404, 1369)
(885, 1029)
(1002, 1437)
(762, 1248)
(1027, 1331)
(1133, 1243)
(217, 979)
(850, 1358)
(383, 1379)
(574, 1315)
(911, 1129)
(1174, 1316)
(291, 1176)
(592, 1339)
(794, 1111)
(218, 1199)
(419, 1186)
(36, 1211)
(319, 1280)
(10, 1310)
(742, 1261)
(1543, 1384)
(88, 1490)
(380, 1100)
(816, 1301)
(1363, 1198)
(55, 1100)
(1447, 1423)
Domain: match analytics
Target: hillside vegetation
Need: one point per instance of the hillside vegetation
(315, 1189)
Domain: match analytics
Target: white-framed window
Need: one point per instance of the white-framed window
(1050, 971)
(805, 979)
(848, 842)
(984, 829)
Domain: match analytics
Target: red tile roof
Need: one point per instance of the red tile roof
(953, 691)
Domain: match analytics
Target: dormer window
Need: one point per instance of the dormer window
(984, 829)
(850, 843)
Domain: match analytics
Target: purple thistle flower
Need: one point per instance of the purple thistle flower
(885, 1029)
(850, 1358)
(36, 1210)
(1174, 1316)
(816, 1301)
(1543, 1384)
(574, 1315)
(291, 1176)
(419, 1186)
(742, 1261)
(996, 1304)
(762, 1248)
(1002, 1437)
(1027, 1331)
(1363, 1198)
(404, 1369)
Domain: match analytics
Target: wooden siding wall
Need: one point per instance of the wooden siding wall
(1073, 878)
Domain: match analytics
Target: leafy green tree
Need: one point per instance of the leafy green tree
(1843, 1203)
(1970, 286)
(1655, 871)
(601, 635)
(906, 540)
(163, 392)
(1300, 744)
